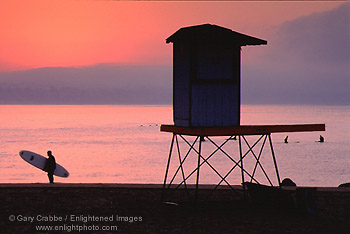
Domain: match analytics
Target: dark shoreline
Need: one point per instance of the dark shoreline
(137, 208)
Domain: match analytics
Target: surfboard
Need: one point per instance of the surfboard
(39, 161)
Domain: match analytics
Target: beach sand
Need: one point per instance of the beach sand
(138, 208)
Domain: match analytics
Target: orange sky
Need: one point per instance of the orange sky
(81, 33)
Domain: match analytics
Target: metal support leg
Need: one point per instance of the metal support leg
(198, 165)
(167, 166)
(241, 159)
(181, 162)
(274, 161)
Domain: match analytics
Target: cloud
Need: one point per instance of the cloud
(307, 62)
(318, 38)
(102, 84)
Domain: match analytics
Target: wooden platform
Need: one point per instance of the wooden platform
(242, 129)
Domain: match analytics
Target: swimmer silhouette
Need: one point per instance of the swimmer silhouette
(321, 139)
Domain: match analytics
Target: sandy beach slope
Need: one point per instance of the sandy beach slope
(137, 208)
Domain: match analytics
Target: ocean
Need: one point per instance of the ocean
(123, 144)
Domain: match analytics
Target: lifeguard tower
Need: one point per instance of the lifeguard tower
(206, 104)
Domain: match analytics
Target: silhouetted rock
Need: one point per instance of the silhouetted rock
(345, 185)
(288, 182)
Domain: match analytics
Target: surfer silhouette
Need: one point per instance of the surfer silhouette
(286, 139)
(50, 166)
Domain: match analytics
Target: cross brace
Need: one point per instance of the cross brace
(196, 147)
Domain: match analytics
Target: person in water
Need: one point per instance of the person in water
(321, 139)
(50, 166)
(286, 139)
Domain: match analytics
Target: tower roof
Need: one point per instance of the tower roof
(210, 32)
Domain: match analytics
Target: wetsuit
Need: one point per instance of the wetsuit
(50, 167)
